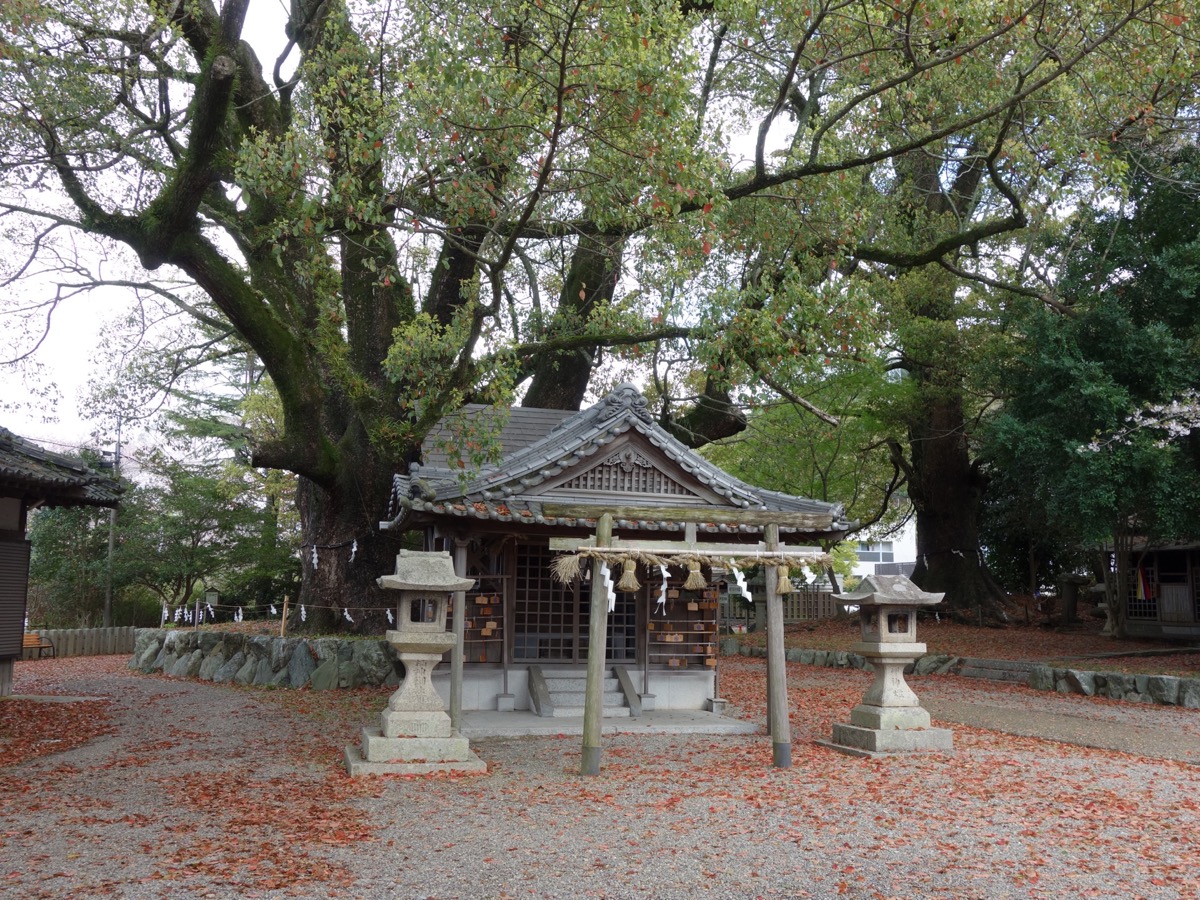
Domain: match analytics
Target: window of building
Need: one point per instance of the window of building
(875, 551)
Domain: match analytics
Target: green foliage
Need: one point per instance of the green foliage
(785, 448)
(189, 527)
(845, 558)
(1070, 381)
(1067, 472)
(420, 177)
(68, 567)
(180, 529)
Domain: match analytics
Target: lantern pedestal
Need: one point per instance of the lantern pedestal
(415, 737)
(890, 718)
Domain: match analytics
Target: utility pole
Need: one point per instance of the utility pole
(112, 535)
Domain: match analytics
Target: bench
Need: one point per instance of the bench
(34, 641)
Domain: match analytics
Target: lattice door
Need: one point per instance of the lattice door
(1176, 603)
(622, 628)
(550, 620)
(545, 612)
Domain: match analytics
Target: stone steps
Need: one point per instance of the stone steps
(559, 683)
(572, 712)
(1010, 670)
(561, 693)
(575, 698)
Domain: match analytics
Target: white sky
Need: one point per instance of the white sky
(67, 352)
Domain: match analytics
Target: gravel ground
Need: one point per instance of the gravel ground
(200, 790)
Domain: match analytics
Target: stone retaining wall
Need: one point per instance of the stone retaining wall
(933, 664)
(1164, 689)
(326, 663)
(323, 663)
(836, 659)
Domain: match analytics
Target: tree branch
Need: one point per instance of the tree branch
(791, 397)
(938, 250)
(1041, 296)
(174, 210)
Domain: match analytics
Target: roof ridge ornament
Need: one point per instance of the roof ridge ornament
(625, 397)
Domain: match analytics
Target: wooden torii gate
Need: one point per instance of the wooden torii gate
(770, 548)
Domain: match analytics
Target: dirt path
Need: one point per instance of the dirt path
(1081, 730)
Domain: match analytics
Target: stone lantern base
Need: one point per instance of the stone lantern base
(890, 718)
(910, 737)
(413, 741)
(414, 737)
(381, 755)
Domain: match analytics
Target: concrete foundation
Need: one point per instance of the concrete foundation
(484, 687)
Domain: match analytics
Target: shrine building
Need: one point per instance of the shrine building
(509, 524)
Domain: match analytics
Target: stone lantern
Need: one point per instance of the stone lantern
(415, 736)
(890, 718)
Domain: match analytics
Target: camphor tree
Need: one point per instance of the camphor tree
(419, 204)
(930, 242)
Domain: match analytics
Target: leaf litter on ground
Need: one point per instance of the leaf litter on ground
(1002, 816)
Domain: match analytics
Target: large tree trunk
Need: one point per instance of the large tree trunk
(713, 416)
(560, 380)
(947, 491)
(342, 527)
(946, 488)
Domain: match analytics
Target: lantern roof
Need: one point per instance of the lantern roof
(888, 590)
(425, 571)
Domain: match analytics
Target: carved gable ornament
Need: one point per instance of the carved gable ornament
(626, 471)
(627, 459)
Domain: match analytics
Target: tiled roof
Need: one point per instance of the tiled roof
(504, 491)
(34, 473)
(520, 428)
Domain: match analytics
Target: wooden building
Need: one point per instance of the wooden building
(31, 477)
(1163, 595)
(507, 521)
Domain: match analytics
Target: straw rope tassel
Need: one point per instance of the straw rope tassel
(629, 583)
(566, 568)
(695, 578)
(783, 580)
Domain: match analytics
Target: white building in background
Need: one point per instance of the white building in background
(894, 555)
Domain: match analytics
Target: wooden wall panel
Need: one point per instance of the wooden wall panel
(14, 581)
